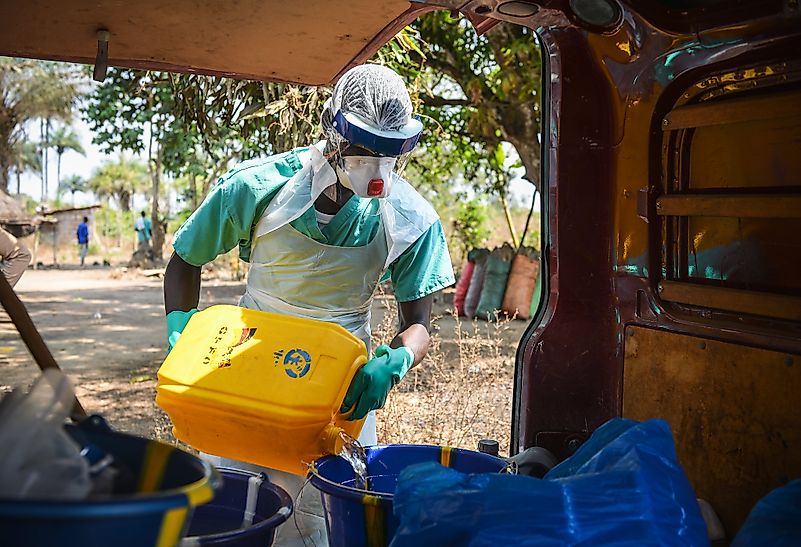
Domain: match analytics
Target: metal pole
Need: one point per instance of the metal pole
(27, 331)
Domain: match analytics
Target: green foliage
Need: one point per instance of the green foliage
(119, 180)
(29, 204)
(470, 225)
(25, 156)
(133, 111)
(244, 119)
(479, 91)
(63, 139)
(178, 219)
(474, 93)
(31, 90)
(71, 185)
(114, 224)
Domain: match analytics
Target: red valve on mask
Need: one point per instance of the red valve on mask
(375, 187)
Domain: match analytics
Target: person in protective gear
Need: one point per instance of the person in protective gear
(321, 227)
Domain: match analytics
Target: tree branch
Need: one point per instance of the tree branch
(436, 102)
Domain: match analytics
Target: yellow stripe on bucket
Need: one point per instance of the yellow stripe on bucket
(153, 466)
(445, 455)
(198, 492)
(374, 521)
(171, 527)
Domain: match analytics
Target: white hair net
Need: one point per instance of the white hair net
(374, 93)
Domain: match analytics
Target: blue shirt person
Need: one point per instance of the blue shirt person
(83, 239)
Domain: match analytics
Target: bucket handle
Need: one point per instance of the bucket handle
(509, 469)
(359, 491)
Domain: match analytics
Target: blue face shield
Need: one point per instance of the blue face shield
(384, 143)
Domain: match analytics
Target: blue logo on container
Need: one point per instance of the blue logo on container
(297, 363)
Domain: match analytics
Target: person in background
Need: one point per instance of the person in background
(14, 257)
(144, 229)
(83, 239)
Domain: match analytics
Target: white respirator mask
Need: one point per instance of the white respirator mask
(367, 176)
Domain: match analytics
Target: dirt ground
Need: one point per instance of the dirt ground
(106, 330)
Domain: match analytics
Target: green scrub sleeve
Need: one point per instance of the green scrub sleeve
(225, 218)
(424, 268)
(216, 226)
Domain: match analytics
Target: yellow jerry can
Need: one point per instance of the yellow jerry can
(260, 387)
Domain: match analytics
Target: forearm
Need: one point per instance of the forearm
(414, 318)
(181, 285)
(416, 338)
(15, 263)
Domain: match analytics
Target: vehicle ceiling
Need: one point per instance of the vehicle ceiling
(302, 41)
(309, 41)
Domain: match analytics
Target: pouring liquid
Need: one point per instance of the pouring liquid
(353, 453)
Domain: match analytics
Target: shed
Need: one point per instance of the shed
(63, 225)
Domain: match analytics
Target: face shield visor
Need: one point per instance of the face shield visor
(368, 159)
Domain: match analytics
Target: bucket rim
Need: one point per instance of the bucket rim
(276, 519)
(330, 487)
(189, 495)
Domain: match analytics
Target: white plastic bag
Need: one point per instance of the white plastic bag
(38, 460)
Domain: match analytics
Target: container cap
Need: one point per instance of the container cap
(488, 446)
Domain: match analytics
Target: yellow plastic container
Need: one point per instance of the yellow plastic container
(260, 387)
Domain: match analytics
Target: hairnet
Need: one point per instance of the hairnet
(374, 93)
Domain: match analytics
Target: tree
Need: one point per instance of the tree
(193, 126)
(25, 157)
(133, 111)
(470, 225)
(119, 180)
(72, 185)
(63, 139)
(477, 93)
(31, 90)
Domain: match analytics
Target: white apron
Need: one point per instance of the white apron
(295, 275)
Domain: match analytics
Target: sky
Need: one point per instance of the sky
(73, 163)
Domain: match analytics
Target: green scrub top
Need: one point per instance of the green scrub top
(229, 214)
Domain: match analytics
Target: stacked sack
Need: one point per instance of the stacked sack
(501, 283)
(464, 282)
(476, 283)
(520, 299)
(499, 263)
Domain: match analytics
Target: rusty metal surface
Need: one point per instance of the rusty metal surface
(733, 411)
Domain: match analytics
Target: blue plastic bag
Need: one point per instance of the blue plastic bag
(623, 487)
(775, 520)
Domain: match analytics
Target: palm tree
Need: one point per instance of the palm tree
(63, 139)
(120, 180)
(31, 90)
(25, 157)
(73, 184)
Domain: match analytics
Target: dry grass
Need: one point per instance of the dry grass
(460, 393)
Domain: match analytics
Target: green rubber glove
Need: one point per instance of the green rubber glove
(176, 322)
(370, 387)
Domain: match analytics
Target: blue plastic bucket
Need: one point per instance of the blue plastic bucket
(355, 517)
(164, 482)
(245, 512)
